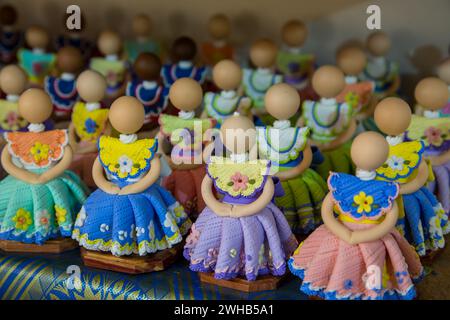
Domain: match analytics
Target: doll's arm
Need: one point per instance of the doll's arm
(101, 181)
(342, 138)
(300, 122)
(418, 182)
(395, 86)
(250, 209)
(300, 168)
(336, 227)
(219, 208)
(440, 159)
(15, 171)
(59, 168)
(379, 231)
(150, 178)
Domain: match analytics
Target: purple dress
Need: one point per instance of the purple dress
(248, 246)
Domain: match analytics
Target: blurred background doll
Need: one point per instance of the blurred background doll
(290, 154)
(36, 61)
(89, 122)
(186, 135)
(422, 219)
(183, 64)
(129, 213)
(142, 42)
(332, 124)
(11, 39)
(443, 73)
(244, 234)
(358, 253)
(218, 48)
(62, 89)
(432, 94)
(40, 197)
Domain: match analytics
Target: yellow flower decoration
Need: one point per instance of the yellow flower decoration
(40, 151)
(61, 214)
(364, 202)
(22, 219)
(352, 99)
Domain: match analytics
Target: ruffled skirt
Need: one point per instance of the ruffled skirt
(441, 185)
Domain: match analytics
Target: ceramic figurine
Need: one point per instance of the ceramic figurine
(227, 77)
(244, 234)
(256, 82)
(422, 220)
(13, 81)
(332, 124)
(11, 39)
(357, 253)
(89, 122)
(289, 151)
(443, 73)
(111, 66)
(36, 62)
(383, 72)
(129, 214)
(358, 94)
(40, 197)
(62, 89)
(296, 66)
(219, 28)
(147, 89)
(186, 135)
(142, 42)
(432, 94)
(183, 54)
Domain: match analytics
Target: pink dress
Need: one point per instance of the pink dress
(335, 270)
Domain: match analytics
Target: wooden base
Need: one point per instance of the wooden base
(428, 259)
(133, 264)
(262, 283)
(51, 246)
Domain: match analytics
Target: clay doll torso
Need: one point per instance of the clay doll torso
(113, 69)
(257, 82)
(10, 119)
(382, 72)
(295, 66)
(221, 105)
(183, 69)
(63, 93)
(10, 41)
(36, 63)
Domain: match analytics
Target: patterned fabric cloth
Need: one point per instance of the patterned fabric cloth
(140, 223)
(423, 221)
(10, 42)
(219, 106)
(303, 195)
(172, 72)
(383, 74)
(37, 65)
(134, 48)
(10, 119)
(256, 83)
(357, 95)
(249, 246)
(295, 67)
(333, 269)
(63, 94)
(39, 212)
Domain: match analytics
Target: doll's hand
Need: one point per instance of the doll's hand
(127, 190)
(111, 188)
(223, 209)
(34, 178)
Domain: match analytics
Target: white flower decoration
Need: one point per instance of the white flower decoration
(104, 227)
(43, 219)
(126, 164)
(170, 223)
(122, 235)
(81, 217)
(151, 230)
(139, 231)
(396, 163)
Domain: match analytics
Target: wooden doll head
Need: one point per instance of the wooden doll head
(238, 134)
(227, 75)
(432, 93)
(126, 115)
(69, 59)
(392, 116)
(351, 60)
(443, 71)
(294, 33)
(369, 151)
(142, 25)
(147, 66)
(13, 80)
(109, 43)
(282, 101)
(186, 94)
(328, 81)
(91, 86)
(8, 15)
(378, 43)
(263, 53)
(219, 27)
(184, 49)
(35, 105)
(37, 37)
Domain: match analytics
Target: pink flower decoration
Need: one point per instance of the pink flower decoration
(239, 181)
(12, 118)
(433, 136)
